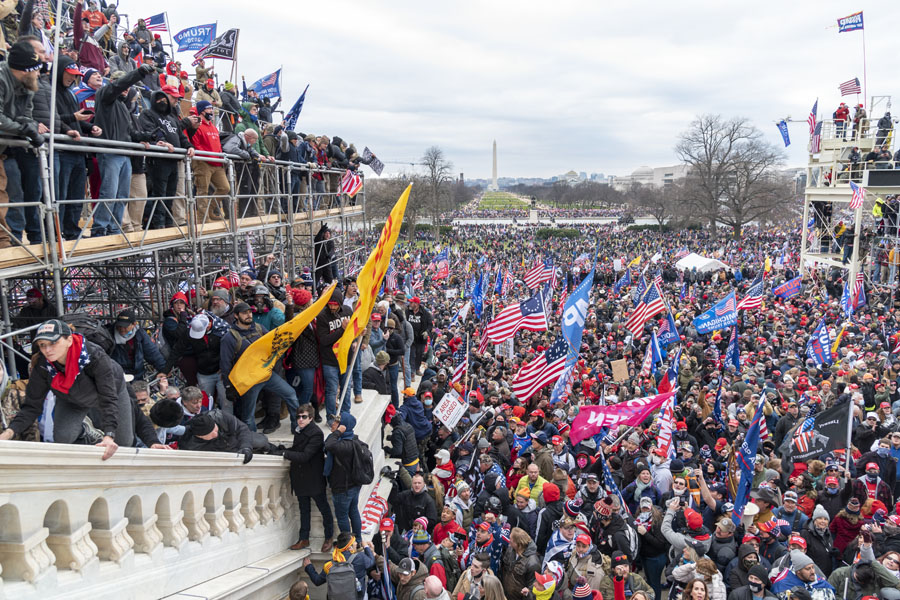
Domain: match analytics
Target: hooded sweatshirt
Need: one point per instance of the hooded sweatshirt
(160, 123)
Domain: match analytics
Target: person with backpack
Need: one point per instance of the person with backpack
(348, 466)
(409, 577)
(436, 561)
(244, 332)
(345, 574)
(133, 347)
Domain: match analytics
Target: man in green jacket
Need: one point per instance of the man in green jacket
(866, 577)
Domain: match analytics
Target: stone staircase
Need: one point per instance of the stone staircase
(150, 524)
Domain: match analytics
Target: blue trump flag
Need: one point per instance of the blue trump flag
(290, 119)
(268, 86)
(622, 282)
(733, 354)
(639, 291)
(197, 37)
(783, 130)
(667, 332)
(852, 22)
(788, 289)
(720, 316)
(498, 286)
(574, 315)
(717, 407)
(746, 459)
(818, 347)
(478, 297)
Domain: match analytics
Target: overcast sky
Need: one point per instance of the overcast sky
(589, 86)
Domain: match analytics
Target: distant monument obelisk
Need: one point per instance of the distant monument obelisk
(493, 186)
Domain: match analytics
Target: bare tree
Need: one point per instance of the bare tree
(658, 202)
(731, 167)
(438, 173)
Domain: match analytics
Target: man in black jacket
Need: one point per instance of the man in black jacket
(403, 444)
(82, 378)
(393, 345)
(376, 377)
(307, 465)
(217, 431)
(421, 322)
(113, 117)
(330, 326)
(339, 461)
(204, 342)
(163, 128)
(413, 503)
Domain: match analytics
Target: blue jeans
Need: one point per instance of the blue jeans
(115, 172)
(280, 388)
(407, 370)
(23, 184)
(653, 570)
(334, 382)
(346, 509)
(357, 378)
(70, 177)
(303, 382)
(324, 509)
(394, 373)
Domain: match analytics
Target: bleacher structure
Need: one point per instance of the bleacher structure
(149, 524)
(144, 268)
(826, 206)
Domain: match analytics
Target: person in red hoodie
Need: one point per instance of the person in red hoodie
(204, 135)
(841, 116)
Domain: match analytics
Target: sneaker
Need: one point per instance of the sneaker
(357, 399)
(327, 545)
(300, 545)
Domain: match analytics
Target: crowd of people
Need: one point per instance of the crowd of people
(504, 504)
(120, 85)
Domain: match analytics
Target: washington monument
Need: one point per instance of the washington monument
(494, 187)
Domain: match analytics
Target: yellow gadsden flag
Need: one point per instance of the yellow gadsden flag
(369, 279)
(256, 363)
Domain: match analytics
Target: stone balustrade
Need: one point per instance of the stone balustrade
(144, 524)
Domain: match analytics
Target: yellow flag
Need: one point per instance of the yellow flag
(768, 266)
(256, 363)
(369, 279)
(837, 340)
(636, 261)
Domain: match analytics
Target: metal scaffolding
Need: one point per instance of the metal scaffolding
(270, 208)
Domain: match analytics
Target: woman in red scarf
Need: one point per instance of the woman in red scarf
(81, 377)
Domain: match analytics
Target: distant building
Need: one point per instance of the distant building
(658, 176)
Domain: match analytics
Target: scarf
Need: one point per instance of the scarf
(545, 594)
(76, 359)
(618, 588)
(639, 487)
(643, 518)
(337, 555)
(557, 544)
(220, 326)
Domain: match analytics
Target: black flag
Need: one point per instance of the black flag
(223, 46)
(817, 435)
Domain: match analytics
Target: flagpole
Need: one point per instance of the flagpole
(849, 434)
(865, 85)
(466, 370)
(349, 377)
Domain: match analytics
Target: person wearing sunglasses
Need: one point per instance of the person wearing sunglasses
(307, 479)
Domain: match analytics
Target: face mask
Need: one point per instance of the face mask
(428, 402)
(872, 476)
(122, 338)
(208, 116)
(254, 118)
(749, 562)
(161, 106)
(883, 451)
(755, 587)
(832, 491)
(656, 460)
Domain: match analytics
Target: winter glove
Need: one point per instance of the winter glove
(248, 454)
(231, 394)
(30, 131)
(147, 69)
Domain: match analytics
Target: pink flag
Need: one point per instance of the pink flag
(591, 419)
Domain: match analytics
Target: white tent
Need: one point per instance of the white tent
(703, 264)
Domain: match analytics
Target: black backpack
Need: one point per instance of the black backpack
(91, 329)
(362, 470)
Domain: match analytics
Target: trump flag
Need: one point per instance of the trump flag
(720, 316)
(195, 38)
(591, 419)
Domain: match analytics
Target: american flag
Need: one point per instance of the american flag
(538, 274)
(651, 304)
(610, 484)
(562, 301)
(666, 425)
(667, 383)
(726, 308)
(233, 277)
(390, 278)
(850, 87)
(541, 371)
(682, 253)
(462, 362)
(754, 296)
(553, 275)
(804, 434)
(530, 314)
(156, 22)
(815, 144)
(351, 183)
(507, 282)
(813, 116)
(859, 195)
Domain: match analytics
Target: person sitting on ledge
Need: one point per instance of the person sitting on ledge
(217, 431)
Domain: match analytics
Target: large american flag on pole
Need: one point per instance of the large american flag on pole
(530, 314)
(650, 305)
(538, 274)
(390, 278)
(754, 296)
(351, 183)
(156, 23)
(462, 362)
(858, 197)
(815, 143)
(813, 116)
(850, 87)
(541, 371)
